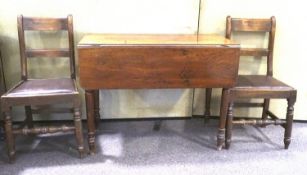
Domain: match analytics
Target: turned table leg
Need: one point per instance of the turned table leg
(229, 125)
(223, 113)
(89, 98)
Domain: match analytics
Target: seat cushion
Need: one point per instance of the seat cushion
(42, 87)
(260, 82)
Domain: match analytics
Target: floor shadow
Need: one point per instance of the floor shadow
(135, 144)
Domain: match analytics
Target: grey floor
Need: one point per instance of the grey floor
(180, 147)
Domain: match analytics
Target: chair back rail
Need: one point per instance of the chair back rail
(45, 24)
(255, 25)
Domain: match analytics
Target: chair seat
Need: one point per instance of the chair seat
(42, 87)
(260, 82)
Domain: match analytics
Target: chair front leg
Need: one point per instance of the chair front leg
(78, 131)
(289, 121)
(9, 135)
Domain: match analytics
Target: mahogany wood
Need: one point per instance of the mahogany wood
(90, 113)
(37, 92)
(133, 67)
(259, 122)
(36, 23)
(153, 61)
(256, 25)
(43, 130)
(257, 52)
(47, 53)
(256, 86)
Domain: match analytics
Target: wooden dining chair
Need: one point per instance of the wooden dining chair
(256, 86)
(32, 93)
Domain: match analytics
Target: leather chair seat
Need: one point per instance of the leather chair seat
(260, 82)
(42, 87)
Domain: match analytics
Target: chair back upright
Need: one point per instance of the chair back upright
(41, 25)
(255, 25)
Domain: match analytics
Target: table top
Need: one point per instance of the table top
(154, 39)
(134, 61)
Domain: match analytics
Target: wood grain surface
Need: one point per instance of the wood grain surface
(162, 62)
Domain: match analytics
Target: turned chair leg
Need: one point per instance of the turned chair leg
(222, 122)
(29, 118)
(289, 121)
(208, 102)
(265, 109)
(9, 135)
(78, 131)
(229, 125)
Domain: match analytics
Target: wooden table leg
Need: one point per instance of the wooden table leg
(89, 98)
(222, 124)
(229, 125)
(96, 108)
